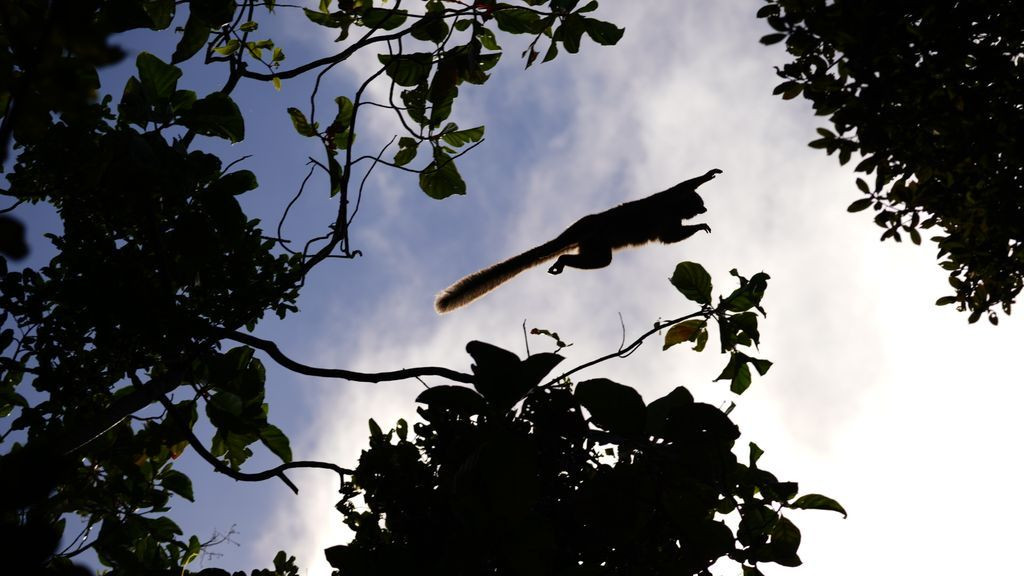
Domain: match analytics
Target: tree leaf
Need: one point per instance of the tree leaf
(178, 483)
(430, 28)
(159, 79)
(182, 100)
(235, 183)
(460, 138)
(375, 432)
(215, 115)
(693, 281)
(384, 18)
(818, 502)
(229, 47)
(785, 543)
(301, 124)
(749, 294)
(337, 19)
(518, 21)
(859, 205)
(570, 33)
(345, 110)
(459, 399)
(160, 12)
(486, 38)
(660, 410)
(760, 365)
(502, 378)
(495, 372)
(736, 369)
(441, 179)
(755, 454)
(215, 13)
(604, 33)
(223, 404)
(274, 439)
(407, 69)
(193, 38)
(683, 332)
(617, 408)
(162, 528)
(741, 380)
(536, 366)
(407, 148)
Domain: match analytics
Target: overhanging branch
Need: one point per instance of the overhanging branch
(274, 352)
(219, 466)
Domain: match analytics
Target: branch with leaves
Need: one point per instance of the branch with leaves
(928, 102)
(155, 245)
(514, 476)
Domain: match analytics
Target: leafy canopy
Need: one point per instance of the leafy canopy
(928, 96)
(515, 476)
(116, 353)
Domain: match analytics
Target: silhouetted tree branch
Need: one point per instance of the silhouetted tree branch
(274, 352)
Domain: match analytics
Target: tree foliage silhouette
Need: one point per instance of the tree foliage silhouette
(929, 98)
(520, 477)
(114, 352)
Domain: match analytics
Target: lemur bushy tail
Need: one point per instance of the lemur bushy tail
(656, 218)
(483, 281)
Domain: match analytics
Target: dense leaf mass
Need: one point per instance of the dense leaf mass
(931, 97)
(154, 248)
(111, 353)
(543, 489)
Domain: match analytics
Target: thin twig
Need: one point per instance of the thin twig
(628, 350)
(76, 541)
(362, 183)
(233, 162)
(414, 170)
(12, 207)
(345, 54)
(223, 468)
(284, 216)
(526, 339)
(622, 324)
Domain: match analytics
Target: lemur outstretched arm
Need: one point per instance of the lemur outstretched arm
(595, 237)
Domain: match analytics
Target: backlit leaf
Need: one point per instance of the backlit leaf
(693, 281)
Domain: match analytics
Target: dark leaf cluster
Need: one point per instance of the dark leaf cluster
(737, 323)
(517, 477)
(929, 97)
(153, 252)
(111, 353)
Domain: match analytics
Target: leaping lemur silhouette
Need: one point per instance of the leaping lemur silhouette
(594, 238)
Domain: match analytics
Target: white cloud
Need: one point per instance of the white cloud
(895, 407)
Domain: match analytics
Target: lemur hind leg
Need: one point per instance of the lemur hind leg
(590, 256)
(680, 233)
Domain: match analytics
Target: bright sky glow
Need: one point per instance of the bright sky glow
(896, 408)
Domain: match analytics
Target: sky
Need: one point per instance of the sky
(898, 409)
